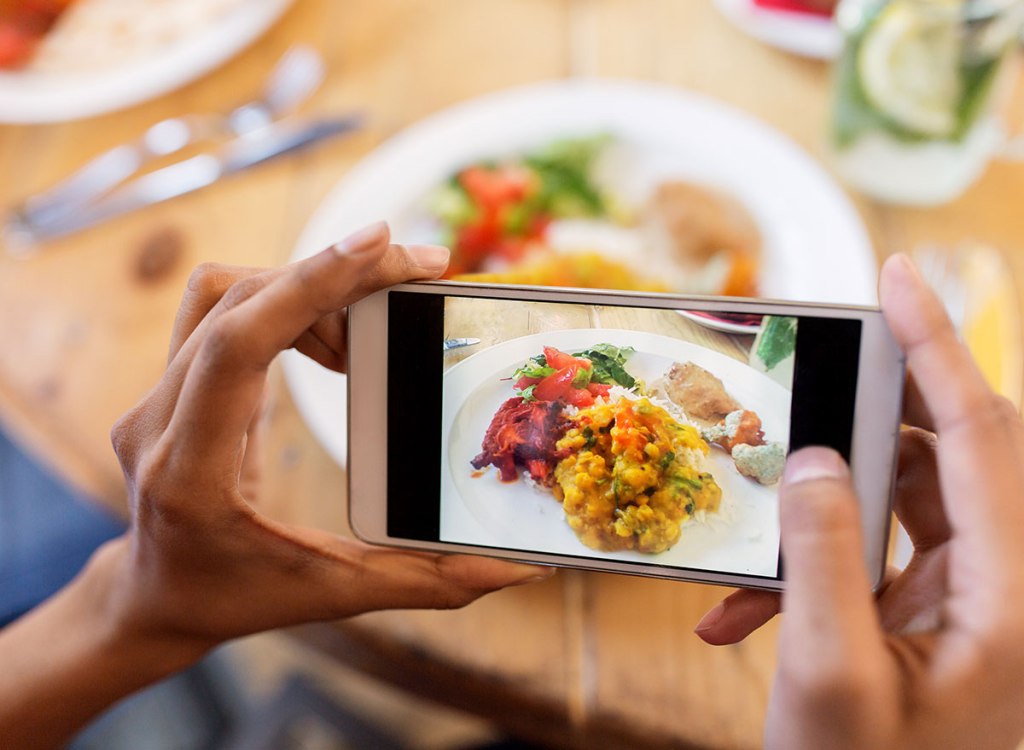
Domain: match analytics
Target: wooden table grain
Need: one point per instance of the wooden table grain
(582, 660)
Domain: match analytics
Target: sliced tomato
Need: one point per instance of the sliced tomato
(494, 188)
(580, 397)
(556, 385)
(599, 389)
(525, 382)
(559, 359)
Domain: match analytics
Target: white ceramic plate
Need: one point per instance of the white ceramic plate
(32, 97)
(815, 247)
(800, 33)
(481, 510)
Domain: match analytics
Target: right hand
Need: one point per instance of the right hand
(938, 660)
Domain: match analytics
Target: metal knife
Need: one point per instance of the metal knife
(23, 233)
(450, 344)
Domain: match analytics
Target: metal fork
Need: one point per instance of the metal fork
(297, 74)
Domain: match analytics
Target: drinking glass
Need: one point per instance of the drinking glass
(917, 89)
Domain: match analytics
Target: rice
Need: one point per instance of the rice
(93, 34)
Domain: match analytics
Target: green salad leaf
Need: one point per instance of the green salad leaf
(778, 340)
(609, 364)
(535, 367)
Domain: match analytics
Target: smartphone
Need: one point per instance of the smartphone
(622, 432)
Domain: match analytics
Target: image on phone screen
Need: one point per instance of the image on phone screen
(633, 434)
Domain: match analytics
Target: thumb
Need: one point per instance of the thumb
(401, 263)
(829, 609)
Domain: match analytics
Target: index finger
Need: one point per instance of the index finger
(978, 439)
(222, 387)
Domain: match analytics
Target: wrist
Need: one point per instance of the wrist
(123, 632)
(78, 653)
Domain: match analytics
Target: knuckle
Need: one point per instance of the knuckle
(820, 507)
(321, 296)
(208, 280)
(831, 681)
(124, 438)
(222, 342)
(453, 597)
(1007, 411)
(242, 290)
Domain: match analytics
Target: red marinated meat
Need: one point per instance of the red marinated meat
(523, 434)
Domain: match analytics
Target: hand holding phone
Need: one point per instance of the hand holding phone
(934, 661)
(624, 432)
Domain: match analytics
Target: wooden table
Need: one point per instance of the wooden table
(581, 660)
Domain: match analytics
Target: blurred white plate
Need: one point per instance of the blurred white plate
(815, 247)
(38, 96)
(481, 510)
(800, 33)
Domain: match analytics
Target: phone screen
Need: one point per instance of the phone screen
(634, 434)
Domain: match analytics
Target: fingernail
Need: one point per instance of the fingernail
(364, 239)
(711, 619)
(432, 258)
(906, 266)
(809, 464)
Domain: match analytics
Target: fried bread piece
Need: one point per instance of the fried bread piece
(700, 394)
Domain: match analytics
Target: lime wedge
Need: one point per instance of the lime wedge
(909, 65)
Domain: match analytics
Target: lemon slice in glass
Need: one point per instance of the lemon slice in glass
(909, 65)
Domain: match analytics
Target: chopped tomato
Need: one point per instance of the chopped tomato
(599, 389)
(493, 188)
(580, 397)
(525, 382)
(559, 359)
(15, 46)
(556, 385)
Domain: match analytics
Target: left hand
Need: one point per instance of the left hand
(200, 564)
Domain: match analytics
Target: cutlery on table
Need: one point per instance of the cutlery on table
(285, 137)
(295, 77)
(450, 344)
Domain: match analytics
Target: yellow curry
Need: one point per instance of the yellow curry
(631, 476)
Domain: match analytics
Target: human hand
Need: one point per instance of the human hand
(200, 564)
(935, 660)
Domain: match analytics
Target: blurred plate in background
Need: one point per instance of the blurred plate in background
(52, 94)
(814, 245)
(802, 34)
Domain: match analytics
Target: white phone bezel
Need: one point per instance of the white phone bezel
(873, 452)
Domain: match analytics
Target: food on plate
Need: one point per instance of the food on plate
(495, 210)
(741, 427)
(699, 393)
(522, 434)
(555, 216)
(762, 463)
(23, 25)
(631, 476)
(575, 379)
(710, 234)
(588, 270)
(627, 472)
(96, 34)
(740, 434)
(723, 421)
